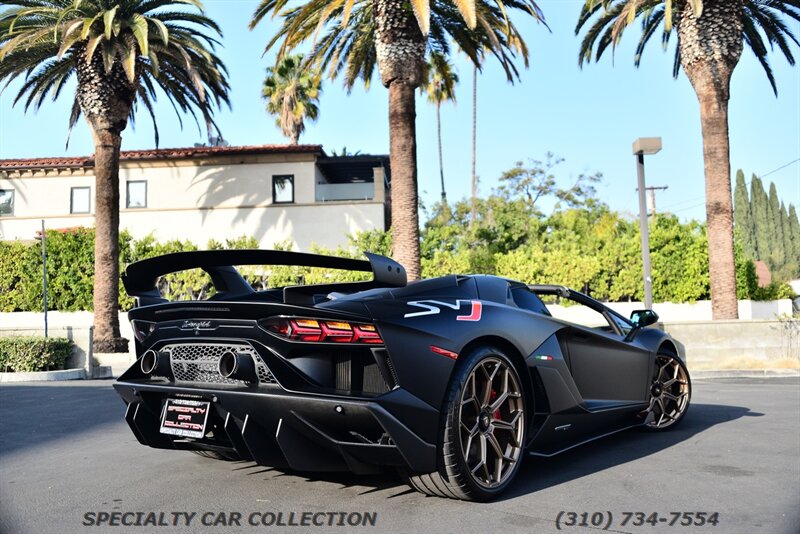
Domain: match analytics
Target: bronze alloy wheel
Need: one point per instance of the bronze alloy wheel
(483, 432)
(670, 393)
(491, 417)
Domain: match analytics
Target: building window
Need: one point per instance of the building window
(137, 194)
(79, 201)
(6, 202)
(283, 189)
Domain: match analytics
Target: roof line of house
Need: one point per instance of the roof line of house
(161, 154)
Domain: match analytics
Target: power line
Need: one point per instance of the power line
(779, 168)
(747, 183)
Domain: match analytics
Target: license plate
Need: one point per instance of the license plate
(185, 417)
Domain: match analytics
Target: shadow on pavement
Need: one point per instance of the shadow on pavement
(32, 415)
(539, 473)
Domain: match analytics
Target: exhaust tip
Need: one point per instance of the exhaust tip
(149, 362)
(237, 366)
(228, 365)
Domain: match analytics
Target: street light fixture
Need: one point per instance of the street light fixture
(642, 146)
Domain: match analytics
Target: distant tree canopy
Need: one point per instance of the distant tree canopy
(765, 229)
(529, 228)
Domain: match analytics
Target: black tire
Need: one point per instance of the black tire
(455, 477)
(670, 393)
(219, 455)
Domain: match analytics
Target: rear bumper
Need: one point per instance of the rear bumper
(303, 432)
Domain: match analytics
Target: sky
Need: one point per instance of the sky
(589, 117)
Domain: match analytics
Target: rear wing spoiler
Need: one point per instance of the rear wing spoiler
(140, 278)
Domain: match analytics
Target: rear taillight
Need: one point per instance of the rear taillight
(322, 331)
(142, 329)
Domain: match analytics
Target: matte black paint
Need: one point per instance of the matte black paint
(594, 383)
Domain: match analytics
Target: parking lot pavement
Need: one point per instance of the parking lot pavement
(66, 456)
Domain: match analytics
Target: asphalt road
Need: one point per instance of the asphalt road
(65, 452)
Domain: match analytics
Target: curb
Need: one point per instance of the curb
(744, 373)
(44, 376)
(55, 376)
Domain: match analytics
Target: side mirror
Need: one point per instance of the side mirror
(642, 318)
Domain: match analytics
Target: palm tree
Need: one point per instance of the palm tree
(353, 36)
(122, 53)
(440, 85)
(473, 213)
(292, 93)
(711, 37)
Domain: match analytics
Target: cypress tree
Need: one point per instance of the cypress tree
(794, 230)
(777, 254)
(790, 261)
(759, 209)
(744, 229)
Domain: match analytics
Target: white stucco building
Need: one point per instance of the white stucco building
(274, 193)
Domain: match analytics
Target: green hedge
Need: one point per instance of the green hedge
(595, 252)
(24, 354)
(70, 269)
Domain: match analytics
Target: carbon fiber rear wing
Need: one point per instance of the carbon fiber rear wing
(140, 278)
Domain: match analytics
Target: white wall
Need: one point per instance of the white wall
(322, 224)
(670, 312)
(197, 201)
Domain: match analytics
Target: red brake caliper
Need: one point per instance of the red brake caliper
(496, 413)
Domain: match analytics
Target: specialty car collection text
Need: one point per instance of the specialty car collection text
(230, 519)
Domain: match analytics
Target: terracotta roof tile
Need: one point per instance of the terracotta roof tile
(763, 274)
(161, 153)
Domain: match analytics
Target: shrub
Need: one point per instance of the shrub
(24, 354)
(774, 291)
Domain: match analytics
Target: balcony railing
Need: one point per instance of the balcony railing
(334, 192)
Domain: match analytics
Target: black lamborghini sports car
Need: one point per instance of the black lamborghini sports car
(450, 380)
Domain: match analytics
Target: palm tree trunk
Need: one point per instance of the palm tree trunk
(403, 161)
(719, 208)
(106, 249)
(710, 47)
(474, 204)
(106, 99)
(441, 159)
(400, 50)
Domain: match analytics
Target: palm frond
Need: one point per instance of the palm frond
(341, 33)
(163, 49)
(604, 22)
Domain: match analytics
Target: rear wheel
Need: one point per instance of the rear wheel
(483, 431)
(670, 393)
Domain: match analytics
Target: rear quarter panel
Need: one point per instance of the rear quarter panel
(409, 336)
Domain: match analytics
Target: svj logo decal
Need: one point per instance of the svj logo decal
(434, 307)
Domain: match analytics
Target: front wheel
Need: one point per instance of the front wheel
(483, 431)
(670, 393)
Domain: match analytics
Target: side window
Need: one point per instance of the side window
(580, 314)
(283, 189)
(137, 194)
(6, 202)
(525, 299)
(80, 200)
(623, 325)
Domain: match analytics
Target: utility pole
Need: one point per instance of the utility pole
(44, 275)
(641, 147)
(651, 191)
